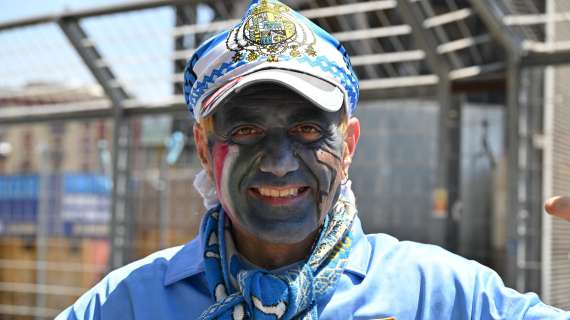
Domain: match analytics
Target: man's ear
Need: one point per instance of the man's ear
(350, 142)
(201, 142)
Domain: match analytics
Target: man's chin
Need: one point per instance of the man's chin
(283, 238)
(283, 233)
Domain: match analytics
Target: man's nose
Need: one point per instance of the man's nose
(279, 159)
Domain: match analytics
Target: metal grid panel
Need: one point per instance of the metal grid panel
(54, 215)
(140, 54)
(166, 208)
(393, 170)
(40, 69)
(559, 293)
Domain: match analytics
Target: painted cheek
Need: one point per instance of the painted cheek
(324, 163)
(219, 154)
(332, 160)
(224, 157)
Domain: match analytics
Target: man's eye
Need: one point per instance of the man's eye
(246, 134)
(307, 132)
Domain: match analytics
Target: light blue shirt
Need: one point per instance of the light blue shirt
(383, 278)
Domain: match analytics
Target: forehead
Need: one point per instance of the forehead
(270, 103)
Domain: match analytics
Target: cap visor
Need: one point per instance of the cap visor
(320, 92)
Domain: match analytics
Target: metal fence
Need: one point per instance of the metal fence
(465, 133)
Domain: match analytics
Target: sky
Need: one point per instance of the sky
(137, 45)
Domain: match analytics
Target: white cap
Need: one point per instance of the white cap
(275, 44)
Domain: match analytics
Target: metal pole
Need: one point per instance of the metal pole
(520, 197)
(547, 156)
(163, 189)
(449, 125)
(516, 155)
(525, 179)
(450, 154)
(120, 217)
(42, 224)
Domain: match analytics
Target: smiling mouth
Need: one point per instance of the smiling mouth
(279, 194)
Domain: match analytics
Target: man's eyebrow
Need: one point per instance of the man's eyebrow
(309, 114)
(243, 113)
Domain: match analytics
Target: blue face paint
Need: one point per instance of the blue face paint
(277, 162)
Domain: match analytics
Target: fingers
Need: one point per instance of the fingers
(558, 206)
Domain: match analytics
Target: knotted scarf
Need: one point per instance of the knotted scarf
(245, 293)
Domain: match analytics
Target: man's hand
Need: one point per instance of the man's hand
(559, 207)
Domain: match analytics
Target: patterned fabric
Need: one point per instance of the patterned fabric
(269, 36)
(242, 293)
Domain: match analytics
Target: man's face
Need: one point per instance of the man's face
(277, 162)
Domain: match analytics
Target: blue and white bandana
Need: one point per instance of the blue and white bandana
(269, 36)
(244, 293)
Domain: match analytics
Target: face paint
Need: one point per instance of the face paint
(326, 164)
(277, 163)
(224, 156)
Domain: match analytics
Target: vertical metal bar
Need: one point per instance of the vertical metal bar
(120, 217)
(525, 168)
(512, 158)
(521, 194)
(450, 153)
(519, 153)
(42, 225)
(185, 15)
(449, 127)
(534, 180)
(517, 160)
(547, 156)
(164, 192)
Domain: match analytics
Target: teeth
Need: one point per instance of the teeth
(278, 193)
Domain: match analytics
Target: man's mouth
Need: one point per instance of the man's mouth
(279, 195)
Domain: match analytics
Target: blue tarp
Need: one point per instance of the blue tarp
(20, 199)
(86, 183)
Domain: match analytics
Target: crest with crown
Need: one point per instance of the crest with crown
(270, 30)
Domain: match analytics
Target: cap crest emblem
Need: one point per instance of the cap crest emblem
(270, 30)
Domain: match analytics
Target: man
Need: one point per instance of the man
(273, 100)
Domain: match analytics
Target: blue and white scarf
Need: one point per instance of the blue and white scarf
(242, 293)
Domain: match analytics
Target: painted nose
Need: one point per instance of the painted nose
(279, 160)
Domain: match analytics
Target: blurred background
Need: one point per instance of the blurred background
(464, 110)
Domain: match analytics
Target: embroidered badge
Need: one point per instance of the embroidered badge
(270, 30)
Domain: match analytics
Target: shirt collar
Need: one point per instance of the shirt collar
(189, 261)
(359, 258)
(186, 262)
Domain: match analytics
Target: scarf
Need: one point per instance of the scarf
(244, 293)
